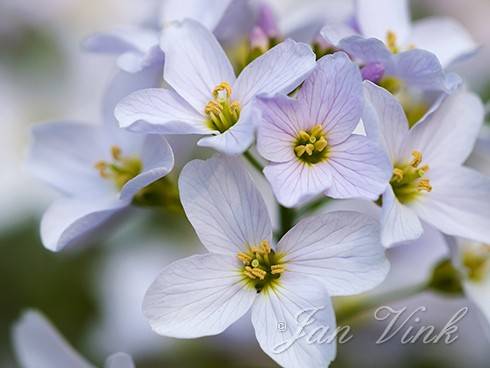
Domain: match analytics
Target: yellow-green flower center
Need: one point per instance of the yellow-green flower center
(222, 113)
(311, 146)
(262, 267)
(408, 180)
(476, 260)
(121, 169)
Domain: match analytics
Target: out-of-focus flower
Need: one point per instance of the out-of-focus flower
(333, 254)
(38, 345)
(206, 98)
(100, 169)
(429, 182)
(310, 139)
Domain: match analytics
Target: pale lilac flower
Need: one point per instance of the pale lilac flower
(37, 344)
(206, 98)
(429, 182)
(310, 142)
(322, 256)
(99, 168)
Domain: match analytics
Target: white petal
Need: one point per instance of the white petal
(479, 293)
(159, 111)
(195, 63)
(208, 13)
(198, 296)
(238, 138)
(341, 249)
(377, 18)
(458, 203)
(68, 220)
(119, 360)
(448, 136)
(294, 321)
(279, 70)
(399, 222)
(294, 182)
(157, 159)
(360, 169)
(223, 205)
(444, 37)
(334, 32)
(38, 345)
(384, 119)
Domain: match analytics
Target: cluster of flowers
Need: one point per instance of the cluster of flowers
(359, 109)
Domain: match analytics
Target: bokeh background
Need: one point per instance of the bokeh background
(93, 294)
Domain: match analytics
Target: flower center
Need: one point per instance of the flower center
(262, 267)
(407, 180)
(476, 260)
(221, 111)
(311, 145)
(121, 169)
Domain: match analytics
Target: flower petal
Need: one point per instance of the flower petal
(236, 139)
(157, 159)
(449, 134)
(400, 223)
(294, 182)
(68, 220)
(443, 36)
(341, 249)
(332, 96)
(479, 293)
(119, 360)
(37, 344)
(294, 323)
(378, 18)
(282, 119)
(367, 50)
(195, 63)
(198, 296)
(359, 168)
(334, 32)
(458, 202)
(223, 205)
(159, 111)
(279, 70)
(384, 119)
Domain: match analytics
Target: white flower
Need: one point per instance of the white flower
(206, 98)
(38, 345)
(429, 182)
(322, 256)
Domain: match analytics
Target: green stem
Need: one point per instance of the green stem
(360, 307)
(253, 161)
(288, 216)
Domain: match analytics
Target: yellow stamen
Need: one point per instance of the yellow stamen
(309, 149)
(417, 159)
(391, 41)
(321, 144)
(245, 258)
(277, 269)
(304, 135)
(424, 185)
(300, 150)
(317, 130)
(223, 86)
(397, 174)
(265, 247)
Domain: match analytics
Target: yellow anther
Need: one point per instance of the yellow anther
(300, 150)
(277, 269)
(249, 274)
(309, 148)
(391, 42)
(424, 184)
(265, 246)
(213, 107)
(257, 272)
(317, 130)
(101, 167)
(321, 144)
(222, 87)
(245, 258)
(397, 174)
(304, 135)
(425, 168)
(116, 152)
(417, 159)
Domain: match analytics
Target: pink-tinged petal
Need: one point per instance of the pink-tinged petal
(400, 223)
(223, 205)
(384, 119)
(377, 18)
(64, 155)
(236, 139)
(208, 13)
(294, 323)
(198, 296)
(443, 36)
(37, 344)
(359, 168)
(195, 63)
(279, 70)
(340, 249)
(448, 135)
(67, 221)
(458, 203)
(332, 96)
(294, 182)
(282, 119)
(159, 111)
(157, 159)
(119, 360)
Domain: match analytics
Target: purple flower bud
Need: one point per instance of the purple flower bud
(373, 72)
(266, 20)
(258, 39)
